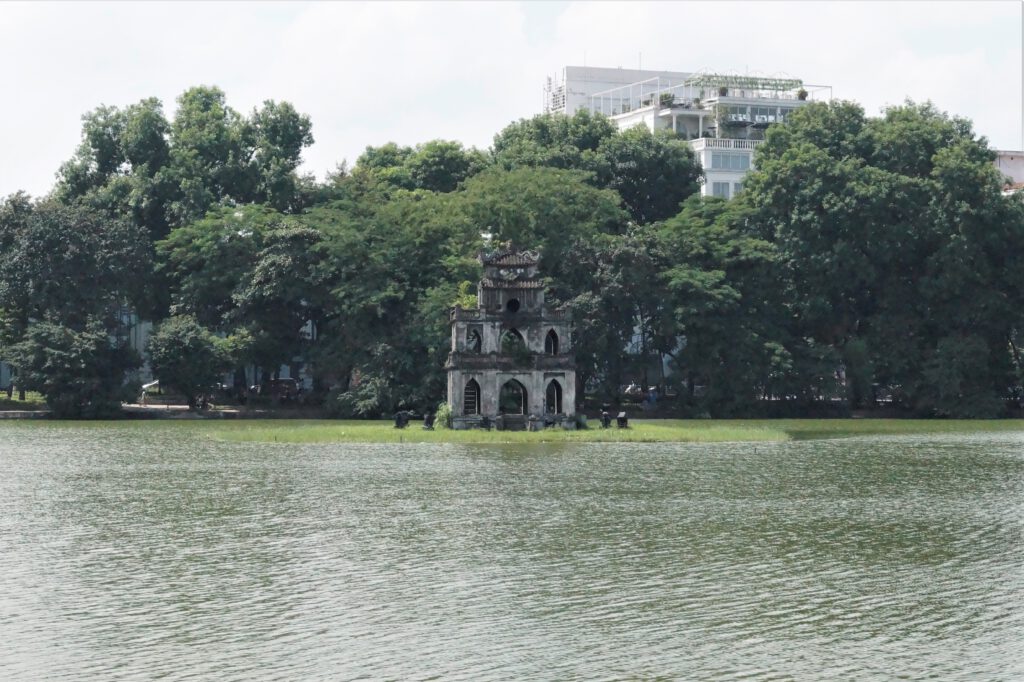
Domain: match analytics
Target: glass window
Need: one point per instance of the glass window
(730, 161)
(720, 189)
(736, 187)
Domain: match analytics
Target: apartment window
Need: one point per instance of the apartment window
(720, 189)
(736, 187)
(730, 161)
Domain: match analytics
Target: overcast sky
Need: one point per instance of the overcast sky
(371, 73)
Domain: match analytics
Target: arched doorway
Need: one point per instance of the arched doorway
(551, 343)
(512, 399)
(553, 398)
(471, 398)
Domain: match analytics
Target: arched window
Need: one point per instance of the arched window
(473, 341)
(512, 399)
(553, 398)
(551, 343)
(512, 305)
(512, 342)
(471, 398)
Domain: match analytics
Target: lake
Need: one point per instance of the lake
(151, 550)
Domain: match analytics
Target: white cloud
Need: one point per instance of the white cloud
(410, 72)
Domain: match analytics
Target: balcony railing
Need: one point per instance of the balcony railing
(476, 314)
(702, 143)
(506, 363)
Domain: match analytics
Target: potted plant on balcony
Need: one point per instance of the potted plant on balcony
(666, 99)
(801, 94)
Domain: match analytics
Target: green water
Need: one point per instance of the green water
(151, 551)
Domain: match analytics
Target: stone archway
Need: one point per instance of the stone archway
(512, 399)
(551, 343)
(471, 398)
(553, 398)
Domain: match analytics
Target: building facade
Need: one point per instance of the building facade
(723, 116)
(1011, 165)
(572, 89)
(511, 361)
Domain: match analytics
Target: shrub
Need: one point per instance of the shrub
(443, 416)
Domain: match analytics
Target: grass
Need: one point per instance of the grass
(641, 431)
(32, 401)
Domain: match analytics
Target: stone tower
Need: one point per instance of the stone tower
(511, 356)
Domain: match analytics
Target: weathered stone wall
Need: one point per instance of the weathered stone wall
(506, 277)
(492, 381)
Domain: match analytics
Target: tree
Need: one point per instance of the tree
(67, 276)
(553, 140)
(441, 166)
(653, 173)
(387, 163)
(545, 208)
(721, 328)
(284, 298)
(121, 165)
(187, 357)
(280, 133)
(436, 166)
(80, 372)
(395, 271)
(70, 264)
(207, 261)
(885, 227)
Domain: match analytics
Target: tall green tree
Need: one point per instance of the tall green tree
(279, 134)
(187, 357)
(553, 140)
(208, 261)
(68, 276)
(80, 371)
(893, 234)
(545, 208)
(441, 166)
(652, 172)
(723, 332)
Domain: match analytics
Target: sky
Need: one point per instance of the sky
(369, 73)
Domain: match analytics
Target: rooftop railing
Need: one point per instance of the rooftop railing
(660, 93)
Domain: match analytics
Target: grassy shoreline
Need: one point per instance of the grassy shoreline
(641, 431)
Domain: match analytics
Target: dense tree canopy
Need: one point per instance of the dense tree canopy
(69, 278)
(867, 260)
(893, 235)
(187, 357)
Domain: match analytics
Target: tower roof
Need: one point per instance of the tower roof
(510, 256)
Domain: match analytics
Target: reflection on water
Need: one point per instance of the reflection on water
(136, 552)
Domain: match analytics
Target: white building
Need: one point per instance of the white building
(723, 116)
(571, 90)
(1011, 165)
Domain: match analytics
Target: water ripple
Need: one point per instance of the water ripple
(132, 553)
